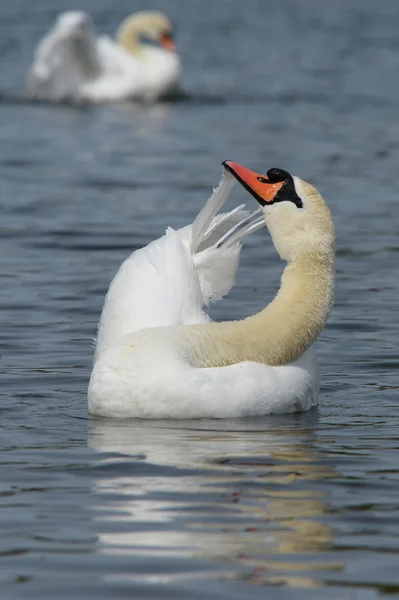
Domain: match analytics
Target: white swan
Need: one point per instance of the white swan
(71, 64)
(159, 356)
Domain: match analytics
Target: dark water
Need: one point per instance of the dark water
(303, 506)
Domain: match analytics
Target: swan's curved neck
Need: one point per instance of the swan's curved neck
(282, 331)
(129, 39)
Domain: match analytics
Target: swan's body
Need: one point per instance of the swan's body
(71, 64)
(158, 354)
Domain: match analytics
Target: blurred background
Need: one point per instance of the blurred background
(305, 506)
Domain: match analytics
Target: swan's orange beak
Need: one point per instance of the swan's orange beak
(261, 188)
(167, 42)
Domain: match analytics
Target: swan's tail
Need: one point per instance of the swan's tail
(216, 240)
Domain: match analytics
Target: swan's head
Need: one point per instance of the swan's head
(296, 215)
(74, 23)
(146, 27)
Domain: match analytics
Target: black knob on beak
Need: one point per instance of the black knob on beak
(276, 175)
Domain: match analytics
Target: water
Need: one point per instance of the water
(301, 506)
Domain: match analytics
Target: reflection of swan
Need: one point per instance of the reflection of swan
(225, 493)
(71, 64)
(157, 353)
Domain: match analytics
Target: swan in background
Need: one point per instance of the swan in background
(71, 64)
(158, 355)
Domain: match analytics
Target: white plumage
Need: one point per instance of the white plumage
(147, 347)
(72, 64)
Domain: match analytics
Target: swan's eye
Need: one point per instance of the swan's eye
(263, 180)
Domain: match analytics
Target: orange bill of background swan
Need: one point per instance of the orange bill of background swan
(167, 42)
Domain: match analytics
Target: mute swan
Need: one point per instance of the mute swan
(71, 64)
(158, 355)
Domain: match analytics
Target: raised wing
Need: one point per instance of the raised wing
(171, 280)
(65, 59)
